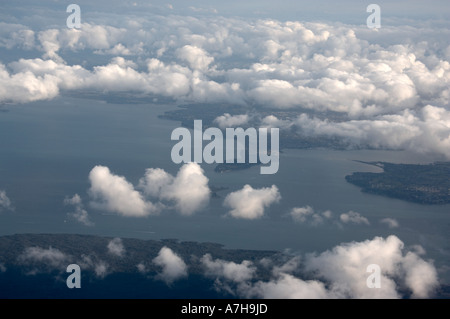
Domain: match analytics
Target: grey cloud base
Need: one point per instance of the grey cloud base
(391, 85)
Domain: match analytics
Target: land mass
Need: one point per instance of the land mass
(34, 266)
(289, 138)
(136, 251)
(424, 184)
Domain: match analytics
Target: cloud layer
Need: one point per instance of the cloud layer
(390, 87)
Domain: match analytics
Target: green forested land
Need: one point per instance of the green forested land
(425, 184)
(77, 247)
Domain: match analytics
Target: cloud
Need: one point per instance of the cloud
(16, 35)
(188, 189)
(173, 267)
(50, 44)
(288, 267)
(114, 193)
(250, 203)
(155, 181)
(421, 276)
(300, 214)
(353, 217)
(227, 269)
(26, 87)
(272, 121)
(196, 57)
(287, 287)
(227, 120)
(80, 214)
(390, 222)
(342, 68)
(141, 268)
(50, 257)
(342, 273)
(42, 259)
(307, 214)
(424, 131)
(390, 92)
(100, 267)
(5, 202)
(115, 247)
(345, 267)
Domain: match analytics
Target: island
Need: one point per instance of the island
(419, 183)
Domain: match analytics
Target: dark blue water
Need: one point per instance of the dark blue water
(16, 285)
(48, 148)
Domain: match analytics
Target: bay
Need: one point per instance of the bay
(48, 148)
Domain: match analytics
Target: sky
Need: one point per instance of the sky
(388, 88)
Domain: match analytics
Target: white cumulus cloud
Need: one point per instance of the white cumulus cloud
(227, 120)
(5, 202)
(195, 56)
(250, 203)
(115, 194)
(345, 267)
(307, 214)
(51, 256)
(115, 247)
(286, 286)
(390, 222)
(173, 267)
(80, 214)
(227, 269)
(354, 218)
(342, 273)
(188, 189)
